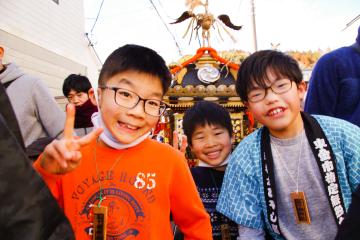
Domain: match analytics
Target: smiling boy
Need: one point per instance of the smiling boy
(294, 176)
(207, 126)
(126, 184)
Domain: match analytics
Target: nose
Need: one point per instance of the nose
(138, 110)
(270, 95)
(210, 141)
(73, 99)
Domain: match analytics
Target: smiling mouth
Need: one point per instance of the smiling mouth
(275, 111)
(128, 126)
(213, 154)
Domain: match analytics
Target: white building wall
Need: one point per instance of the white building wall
(47, 39)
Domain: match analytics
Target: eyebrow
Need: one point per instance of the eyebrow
(213, 127)
(196, 134)
(255, 87)
(128, 82)
(278, 78)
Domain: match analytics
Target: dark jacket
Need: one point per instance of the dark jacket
(28, 210)
(350, 227)
(334, 86)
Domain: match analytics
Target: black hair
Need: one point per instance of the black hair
(76, 82)
(135, 58)
(253, 70)
(205, 112)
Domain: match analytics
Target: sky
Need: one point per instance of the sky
(293, 24)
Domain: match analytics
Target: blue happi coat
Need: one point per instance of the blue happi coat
(242, 197)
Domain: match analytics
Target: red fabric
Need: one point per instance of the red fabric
(83, 114)
(251, 119)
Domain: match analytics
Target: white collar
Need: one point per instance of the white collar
(204, 164)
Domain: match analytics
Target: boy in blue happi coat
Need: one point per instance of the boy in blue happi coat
(294, 176)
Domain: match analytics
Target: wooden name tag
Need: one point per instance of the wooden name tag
(300, 207)
(225, 232)
(100, 223)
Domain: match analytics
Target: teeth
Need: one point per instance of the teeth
(128, 126)
(131, 127)
(275, 111)
(212, 154)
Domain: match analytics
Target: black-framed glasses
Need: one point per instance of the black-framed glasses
(279, 87)
(129, 99)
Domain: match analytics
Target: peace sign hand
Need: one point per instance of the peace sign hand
(63, 156)
(179, 141)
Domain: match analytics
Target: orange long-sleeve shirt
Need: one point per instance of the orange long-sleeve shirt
(141, 185)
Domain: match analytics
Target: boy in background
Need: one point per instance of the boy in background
(126, 184)
(209, 132)
(77, 89)
(295, 175)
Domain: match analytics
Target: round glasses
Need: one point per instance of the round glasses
(129, 99)
(278, 87)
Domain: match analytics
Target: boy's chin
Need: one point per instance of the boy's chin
(128, 139)
(214, 163)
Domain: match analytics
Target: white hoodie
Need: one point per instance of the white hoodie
(36, 110)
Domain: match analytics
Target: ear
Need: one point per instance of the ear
(301, 90)
(189, 153)
(247, 105)
(306, 85)
(99, 97)
(189, 147)
(91, 95)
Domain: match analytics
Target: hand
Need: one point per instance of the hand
(178, 143)
(63, 156)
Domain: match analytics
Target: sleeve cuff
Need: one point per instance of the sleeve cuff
(43, 172)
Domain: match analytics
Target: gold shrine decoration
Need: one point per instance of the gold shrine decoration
(204, 91)
(233, 72)
(205, 21)
(180, 75)
(200, 52)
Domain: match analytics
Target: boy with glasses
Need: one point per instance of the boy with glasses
(126, 184)
(293, 177)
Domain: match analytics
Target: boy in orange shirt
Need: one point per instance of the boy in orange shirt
(126, 184)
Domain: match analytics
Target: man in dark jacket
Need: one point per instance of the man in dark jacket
(334, 86)
(28, 210)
